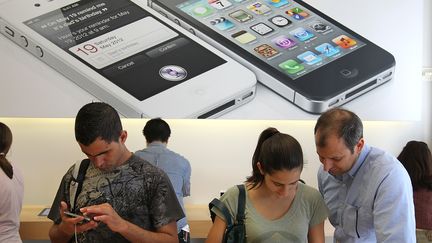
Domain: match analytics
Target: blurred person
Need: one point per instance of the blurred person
(11, 191)
(157, 132)
(279, 207)
(417, 159)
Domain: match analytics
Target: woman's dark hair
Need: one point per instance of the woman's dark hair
(5, 144)
(417, 160)
(275, 151)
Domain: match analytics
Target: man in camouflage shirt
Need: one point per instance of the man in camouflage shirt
(127, 198)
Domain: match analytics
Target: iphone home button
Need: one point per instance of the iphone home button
(349, 72)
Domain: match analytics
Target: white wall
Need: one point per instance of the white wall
(219, 150)
(427, 65)
(427, 38)
(427, 113)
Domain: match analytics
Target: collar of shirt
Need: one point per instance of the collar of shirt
(365, 151)
(157, 144)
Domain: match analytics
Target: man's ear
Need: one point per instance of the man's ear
(123, 136)
(360, 144)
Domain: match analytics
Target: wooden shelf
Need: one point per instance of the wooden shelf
(34, 227)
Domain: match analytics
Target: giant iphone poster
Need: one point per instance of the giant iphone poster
(30, 88)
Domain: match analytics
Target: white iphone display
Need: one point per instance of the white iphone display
(128, 55)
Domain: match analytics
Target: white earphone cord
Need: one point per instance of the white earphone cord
(76, 238)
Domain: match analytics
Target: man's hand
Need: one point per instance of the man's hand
(106, 214)
(63, 232)
(68, 223)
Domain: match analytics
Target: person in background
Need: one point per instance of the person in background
(366, 189)
(126, 198)
(279, 208)
(157, 132)
(417, 159)
(11, 191)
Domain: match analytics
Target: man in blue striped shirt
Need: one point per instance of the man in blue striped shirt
(367, 190)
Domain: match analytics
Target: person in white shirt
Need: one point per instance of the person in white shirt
(11, 191)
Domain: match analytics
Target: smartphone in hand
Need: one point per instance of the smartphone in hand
(74, 215)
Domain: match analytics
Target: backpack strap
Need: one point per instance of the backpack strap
(241, 204)
(223, 209)
(75, 186)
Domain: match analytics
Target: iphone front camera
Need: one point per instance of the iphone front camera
(37, 4)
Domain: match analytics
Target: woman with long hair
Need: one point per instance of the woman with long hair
(279, 207)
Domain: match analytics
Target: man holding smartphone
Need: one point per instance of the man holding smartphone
(127, 198)
(367, 190)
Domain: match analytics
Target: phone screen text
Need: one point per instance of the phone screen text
(126, 44)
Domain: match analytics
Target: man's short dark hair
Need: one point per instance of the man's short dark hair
(156, 130)
(97, 120)
(342, 123)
